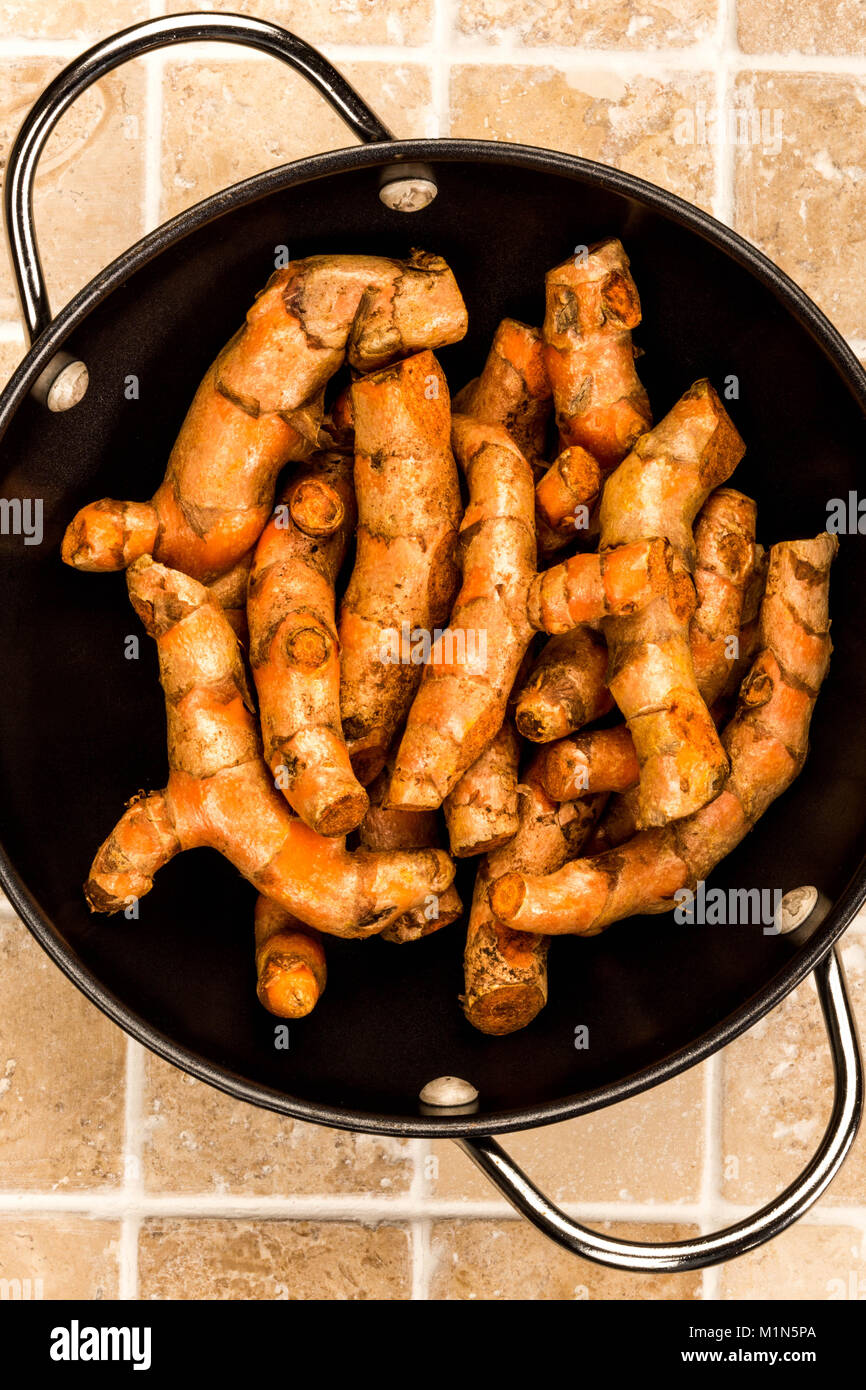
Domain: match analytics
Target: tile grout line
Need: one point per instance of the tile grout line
(632, 62)
(443, 33)
(728, 52)
(132, 1191)
(420, 1226)
(711, 1177)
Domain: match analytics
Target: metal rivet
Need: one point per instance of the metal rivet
(407, 187)
(62, 384)
(448, 1091)
(795, 907)
(408, 195)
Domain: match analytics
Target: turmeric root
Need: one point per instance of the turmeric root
(767, 742)
(597, 760)
(405, 573)
(657, 491)
(290, 962)
(461, 702)
(724, 543)
(293, 647)
(513, 390)
(230, 592)
(566, 688)
(481, 811)
(259, 406)
(587, 588)
(220, 792)
(592, 307)
(385, 829)
(463, 694)
(568, 491)
(505, 971)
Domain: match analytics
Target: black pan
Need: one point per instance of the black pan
(82, 727)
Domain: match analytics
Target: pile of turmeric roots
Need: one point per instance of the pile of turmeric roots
(589, 665)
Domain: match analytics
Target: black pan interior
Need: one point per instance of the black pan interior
(81, 726)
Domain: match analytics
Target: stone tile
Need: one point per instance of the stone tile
(806, 1262)
(805, 204)
(62, 1068)
(68, 19)
(10, 356)
(777, 1092)
(648, 1149)
(282, 119)
(635, 123)
(59, 1256)
(603, 23)
(509, 1260)
(807, 26)
(89, 190)
(328, 1260)
(335, 21)
(200, 1140)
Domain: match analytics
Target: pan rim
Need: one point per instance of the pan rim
(250, 190)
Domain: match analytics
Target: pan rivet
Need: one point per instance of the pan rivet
(448, 1091)
(795, 907)
(62, 384)
(407, 187)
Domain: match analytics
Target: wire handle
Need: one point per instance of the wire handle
(763, 1225)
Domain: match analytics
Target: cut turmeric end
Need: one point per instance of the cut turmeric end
(505, 1009)
(316, 508)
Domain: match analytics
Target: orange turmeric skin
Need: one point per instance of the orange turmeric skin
(220, 792)
(293, 647)
(290, 962)
(572, 481)
(386, 829)
(767, 742)
(566, 687)
(464, 690)
(513, 390)
(260, 406)
(724, 544)
(482, 811)
(405, 575)
(592, 307)
(505, 971)
(597, 760)
(657, 491)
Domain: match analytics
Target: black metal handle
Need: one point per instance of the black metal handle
(102, 58)
(776, 1216)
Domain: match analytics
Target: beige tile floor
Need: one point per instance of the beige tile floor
(120, 1177)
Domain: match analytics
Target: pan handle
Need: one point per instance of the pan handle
(704, 1250)
(102, 58)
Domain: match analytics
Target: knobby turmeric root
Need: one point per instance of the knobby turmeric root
(513, 390)
(505, 971)
(481, 811)
(657, 491)
(220, 791)
(405, 575)
(260, 406)
(464, 690)
(597, 760)
(566, 688)
(386, 829)
(293, 646)
(462, 699)
(568, 491)
(290, 962)
(724, 544)
(592, 307)
(767, 742)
